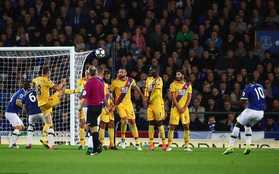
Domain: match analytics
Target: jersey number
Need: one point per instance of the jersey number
(39, 90)
(259, 92)
(32, 97)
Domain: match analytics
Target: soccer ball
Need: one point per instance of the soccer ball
(100, 52)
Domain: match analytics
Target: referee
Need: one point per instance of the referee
(93, 95)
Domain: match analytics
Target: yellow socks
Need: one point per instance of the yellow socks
(123, 128)
(135, 133)
(81, 136)
(102, 135)
(151, 134)
(111, 136)
(162, 134)
(45, 129)
(186, 138)
(170, 135)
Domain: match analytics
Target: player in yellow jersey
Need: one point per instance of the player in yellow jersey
(181, 93)
(122, 88)
(107, 119)
(82, 126)
(43, 84)
(155, 109)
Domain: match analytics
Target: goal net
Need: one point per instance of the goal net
(19, 64)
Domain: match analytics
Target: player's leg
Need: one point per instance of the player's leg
(102, 131)
(248, 134)
(174, 120)
(255, 117)
(81, 130)
(241, 120)
(16, 122)
(151, 121)
(124, 121)
(185, 120)
(111, 134)
(92, 119)
(48, 123)
(131, 117)
(160, 114)
(50, 136)
(30, 130)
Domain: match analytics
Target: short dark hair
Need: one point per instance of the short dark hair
(26, 85)
(250, 78)
(46, 69)
(182, 72)
(107, 71)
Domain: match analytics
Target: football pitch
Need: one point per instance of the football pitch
(68, 159)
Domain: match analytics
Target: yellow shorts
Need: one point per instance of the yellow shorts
(104, 117)
(126, 111)
(175, 117)
(156, 113)
(53, 100)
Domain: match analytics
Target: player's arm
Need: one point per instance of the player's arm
(155, 95)
(174, 101)
(189, 97)
(81, 104)
(19, 103)
(59, 86)
(241, 102)
(138, 90)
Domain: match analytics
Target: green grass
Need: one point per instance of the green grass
(68, 159)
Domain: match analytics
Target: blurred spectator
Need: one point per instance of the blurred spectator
(212, 125)
(195, 123)
(270, 125)
(198, 108)
(229, 122)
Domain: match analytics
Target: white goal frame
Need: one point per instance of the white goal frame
(72, 77)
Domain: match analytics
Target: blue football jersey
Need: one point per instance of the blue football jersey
(254, 93)
(12, 107)
(30, 101)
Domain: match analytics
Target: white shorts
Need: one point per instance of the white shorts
(249, 116)
(13, 119)
(33, 119)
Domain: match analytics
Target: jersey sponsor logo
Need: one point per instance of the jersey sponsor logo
(124, 90)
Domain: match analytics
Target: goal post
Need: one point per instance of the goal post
(18, 64)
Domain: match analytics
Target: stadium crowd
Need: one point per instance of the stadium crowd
(212, 41)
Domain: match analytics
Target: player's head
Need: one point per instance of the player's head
(153, 71)
(26, 86)
(92, 70)
(250, 78)
(179, 75)
(122, 72)
(107, 75)
(46, 71)
(100, 71)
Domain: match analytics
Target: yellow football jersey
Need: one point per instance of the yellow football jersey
(153, 84)
(81, 83)
(107, 92)
(42, 85)
(181, 91)
(122, 89)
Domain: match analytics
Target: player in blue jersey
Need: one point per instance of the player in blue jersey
(30, 106)
(254, 93)
(11, 113)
